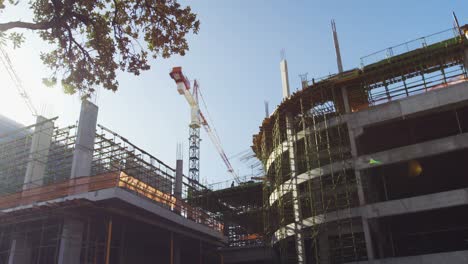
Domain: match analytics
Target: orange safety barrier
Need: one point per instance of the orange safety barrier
(60, 189)
(195, 214)
(105, 181)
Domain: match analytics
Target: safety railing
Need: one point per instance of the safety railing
(229, 183)
(422, 42)
(169, 201)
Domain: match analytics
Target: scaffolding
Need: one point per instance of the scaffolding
(321, 148)
(15, 154)
(239, 207)
(33, 214)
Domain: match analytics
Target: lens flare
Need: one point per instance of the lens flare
(414, 168)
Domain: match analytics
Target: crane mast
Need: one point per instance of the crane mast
(198, 120)
(183, 87)
(194, 153)
(194, 137)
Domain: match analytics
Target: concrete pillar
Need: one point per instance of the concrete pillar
(72, 231)
(70, 241)
(362, 199)
(465, 61)
(299, 239)
(38, 153)
(20, 250)
(324, 247)
(337, 47)
(339, 63)
(344, 94)
(178, 185)
(200, 247)
(284, 78)
(380, 240)
(83, 154)
(176, 250)
(178, 179)
(368, 238)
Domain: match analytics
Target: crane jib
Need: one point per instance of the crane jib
(183, 87)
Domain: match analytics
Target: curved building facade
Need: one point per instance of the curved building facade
(354, 161)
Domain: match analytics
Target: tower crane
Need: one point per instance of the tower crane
(198, 120)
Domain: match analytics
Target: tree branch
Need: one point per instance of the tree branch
(83, 50)
(27, 25)
(84, 19)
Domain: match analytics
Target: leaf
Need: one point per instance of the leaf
(17, 39)
(68, 88)
(49, 82)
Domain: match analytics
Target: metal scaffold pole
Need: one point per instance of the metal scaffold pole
(278, 179)
(311, 199)
(293, 186)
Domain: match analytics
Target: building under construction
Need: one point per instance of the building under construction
(84, 194)
(364, 166)
(368, 165)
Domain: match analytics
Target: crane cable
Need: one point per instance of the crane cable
(213, 134)
(208, 115)
(5, 60)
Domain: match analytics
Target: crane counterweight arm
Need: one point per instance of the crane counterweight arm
(183, 87)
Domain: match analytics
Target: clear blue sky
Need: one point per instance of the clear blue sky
(236, 59)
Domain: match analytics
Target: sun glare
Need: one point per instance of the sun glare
(48, 101)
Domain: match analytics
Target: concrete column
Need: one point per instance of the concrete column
(284, 78)
(368, 238)
(83, 154)
(178, 179)
(200, 246)
(380, 240)
(362, 199)
(20, 250)
(344, 94)
(352, 140)
(299, 239)
(70, 241)
(324, 247)
(178, 184)
(176, 250)
(465, 61)
(38, 153)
